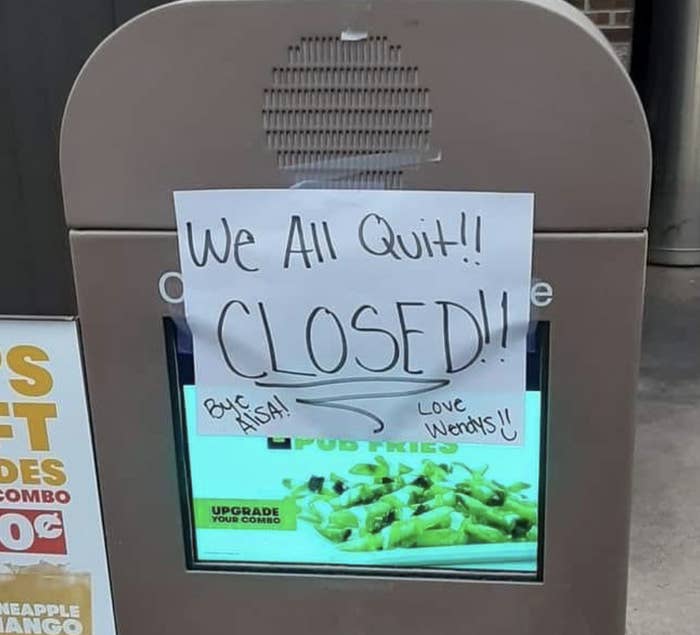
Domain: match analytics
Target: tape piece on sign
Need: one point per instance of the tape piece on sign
(319, 173)
(353, 35)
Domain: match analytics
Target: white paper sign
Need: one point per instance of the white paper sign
(53, 567)
(358, 314)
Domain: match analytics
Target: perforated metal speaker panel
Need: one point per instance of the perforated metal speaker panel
(347, 113)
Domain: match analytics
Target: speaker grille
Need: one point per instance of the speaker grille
(346, 113)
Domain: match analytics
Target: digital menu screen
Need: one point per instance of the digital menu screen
(374, 507)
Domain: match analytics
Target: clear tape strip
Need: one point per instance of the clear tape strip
(319, 172)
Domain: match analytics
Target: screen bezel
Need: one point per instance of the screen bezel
(178, 378)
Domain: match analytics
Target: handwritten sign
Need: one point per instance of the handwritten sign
(358, 314)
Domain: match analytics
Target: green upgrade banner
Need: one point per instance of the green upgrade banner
(267, 515)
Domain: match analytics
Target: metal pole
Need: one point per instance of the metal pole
(671, 92)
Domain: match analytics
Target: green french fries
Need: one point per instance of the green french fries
(334, 534)
(390, 506)
(441, 538)
(484, 533)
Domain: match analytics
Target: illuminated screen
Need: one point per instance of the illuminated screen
(309, 504)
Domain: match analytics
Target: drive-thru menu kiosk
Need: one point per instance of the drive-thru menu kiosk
(322, 535)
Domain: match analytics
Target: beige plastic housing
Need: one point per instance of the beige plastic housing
(504, 95)
(524, 96)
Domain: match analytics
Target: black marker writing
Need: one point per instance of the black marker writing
(343, 356)
(249, 417)
(271, 346)
(297, 243)
(405, 332)
(375, 329)
(472, 425)
(504, 309)
(507, 431)
(478, 234)
(224, 347)
(330, 344)
(339, 401)
(221, 253)
(447, 336)
(378, 237)
(440, 407)
(484, 317)
(209, 245)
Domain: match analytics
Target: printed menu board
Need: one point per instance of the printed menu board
(53, 567)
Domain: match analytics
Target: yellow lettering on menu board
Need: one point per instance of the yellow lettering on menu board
(37, 415)
(9, 472)
(32, 472)
(31, 380)
(53, 472)
(38, 381)
(5, 428)
(29, 469)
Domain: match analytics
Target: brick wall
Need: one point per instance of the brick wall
(614, 17)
